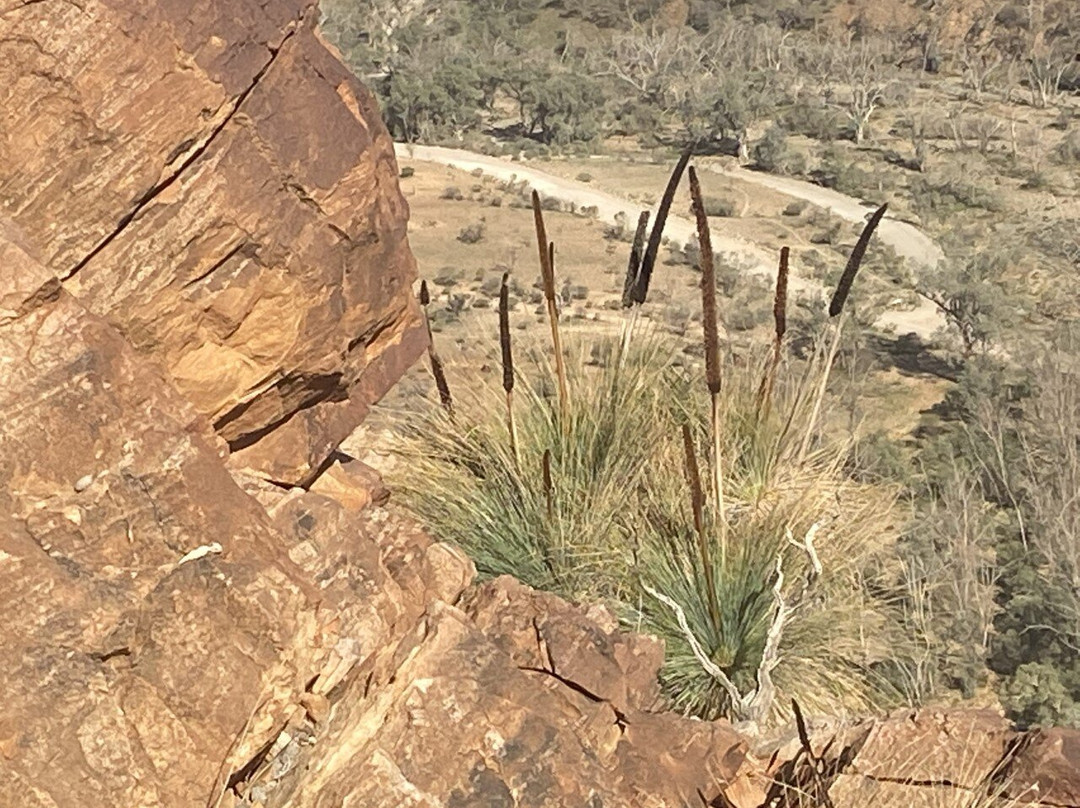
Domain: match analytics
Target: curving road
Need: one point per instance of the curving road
(907, 240)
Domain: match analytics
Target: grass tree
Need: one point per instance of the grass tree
(761, 565)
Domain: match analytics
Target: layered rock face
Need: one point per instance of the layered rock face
(209, 178)
(173, 641)
(145, 599)
(203, 270)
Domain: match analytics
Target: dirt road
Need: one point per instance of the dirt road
(907, 240)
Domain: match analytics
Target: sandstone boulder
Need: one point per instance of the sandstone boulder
(163, 628)
(471, 712)
(155, 630)
(1043, 767)
(209, 178)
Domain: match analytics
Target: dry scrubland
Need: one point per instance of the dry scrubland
(592, 263)
(963, 117)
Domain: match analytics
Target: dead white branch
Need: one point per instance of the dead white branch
(761, 701)
(710, 667)
(807, 545)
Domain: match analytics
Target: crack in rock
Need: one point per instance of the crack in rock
(198, 151)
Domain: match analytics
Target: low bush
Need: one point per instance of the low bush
(773, 154)
(812, 119)
(448, 276)
(762, 564)
(720, 207)
(1068, 150)
(473, 233)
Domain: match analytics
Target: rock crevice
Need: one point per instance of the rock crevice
(191, 149)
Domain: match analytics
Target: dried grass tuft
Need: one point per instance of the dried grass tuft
(439, 373)
(710, 328)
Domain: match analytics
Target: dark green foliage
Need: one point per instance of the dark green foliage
(811, 118)
(999, 534)
(941, 196)
(772, 153)
(968, 292)
(561, 108)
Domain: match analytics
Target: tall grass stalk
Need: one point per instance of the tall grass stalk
(438, 372)
(697, 508)
(711, 334)
(836, 315)
(780, 299)
(549, 488)
(640, 268)
(547, 276)
(507, 362)
(633, 269)
(652, 250)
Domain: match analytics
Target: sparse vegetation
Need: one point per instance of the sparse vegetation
(971, 136)
(473, 233)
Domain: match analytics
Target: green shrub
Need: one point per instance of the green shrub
(772, 153)
(812, 119)
(839, 171)
(473, 233)
(719, 206)
(615, 525)
(941, 196)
